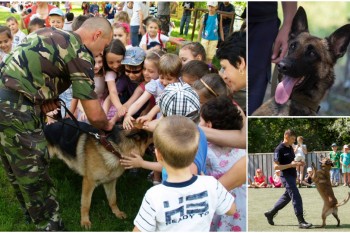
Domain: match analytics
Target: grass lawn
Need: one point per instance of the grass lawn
(130, 192)
(261, 200)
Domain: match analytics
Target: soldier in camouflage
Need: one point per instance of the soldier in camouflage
(32, 77)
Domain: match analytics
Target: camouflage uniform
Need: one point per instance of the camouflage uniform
(39, 69)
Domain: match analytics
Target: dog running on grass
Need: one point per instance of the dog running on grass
(85, 155)
(324, 187)
(308, 70)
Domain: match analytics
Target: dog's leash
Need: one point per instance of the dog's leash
(101, 136)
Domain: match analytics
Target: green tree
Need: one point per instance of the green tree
(264, 134)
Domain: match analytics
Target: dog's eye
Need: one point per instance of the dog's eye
(292, 46)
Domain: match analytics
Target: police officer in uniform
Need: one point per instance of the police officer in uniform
(284, 161)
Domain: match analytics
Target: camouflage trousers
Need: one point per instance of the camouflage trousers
(24, 155)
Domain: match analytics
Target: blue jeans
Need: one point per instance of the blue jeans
(135, 36)
(335, 174)
(291, 194)
(185, 19)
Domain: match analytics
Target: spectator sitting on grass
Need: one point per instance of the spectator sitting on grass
(259, 179)
(308, 179)
(275, 181)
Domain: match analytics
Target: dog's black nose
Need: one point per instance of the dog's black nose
(283, 66)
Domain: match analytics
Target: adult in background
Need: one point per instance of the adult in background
(40, 9)
(140, 12)
(94, 9)
(226, 19)
(68, 6)
(300, 151)
(264, 34)
(163, 14)
(110, 11)
(186, 17)
(128, 8)
(85, 7)
(32, 78)
(284, 161)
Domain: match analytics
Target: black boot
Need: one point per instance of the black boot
(302, 223)
(270, 215)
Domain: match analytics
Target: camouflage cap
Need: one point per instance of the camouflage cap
(134, 56)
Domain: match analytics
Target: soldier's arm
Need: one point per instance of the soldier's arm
(96, 115)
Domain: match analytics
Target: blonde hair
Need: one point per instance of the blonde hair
(122, 17)
(170, 64)
(154, 55)
(176, 138)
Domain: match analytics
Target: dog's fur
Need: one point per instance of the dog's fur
(309, 67)
(322, 180)
(84, 154)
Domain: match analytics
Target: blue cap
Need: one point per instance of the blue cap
(56, 11)
(334, 144)
(134, 56)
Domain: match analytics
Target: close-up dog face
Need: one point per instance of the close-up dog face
(308, 66)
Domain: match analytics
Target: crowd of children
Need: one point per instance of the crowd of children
(147, 85)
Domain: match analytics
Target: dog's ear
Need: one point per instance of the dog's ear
(299, 24)
(338, 41)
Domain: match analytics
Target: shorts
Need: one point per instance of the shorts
(345, 169)
(210, 47)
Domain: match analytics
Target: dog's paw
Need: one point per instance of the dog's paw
(120, 214)
(85, 224)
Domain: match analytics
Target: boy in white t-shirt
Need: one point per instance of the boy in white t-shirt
(17, 34)
(183, 202)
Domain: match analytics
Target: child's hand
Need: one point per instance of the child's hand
(132, 161)
(127, 123)
(144, 119)
(121, 110)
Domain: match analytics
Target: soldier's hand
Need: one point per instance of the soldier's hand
(50, 105)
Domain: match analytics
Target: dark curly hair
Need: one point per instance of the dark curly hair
(233, 48)
(222, 113)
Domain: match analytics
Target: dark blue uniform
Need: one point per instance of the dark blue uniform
(285, 155)
(263, 25)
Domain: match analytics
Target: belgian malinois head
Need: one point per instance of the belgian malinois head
(308, 68)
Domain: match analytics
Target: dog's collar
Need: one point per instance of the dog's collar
(107, 145)
(314, 106)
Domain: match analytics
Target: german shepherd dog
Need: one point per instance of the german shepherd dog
(307, 70)
(324, 187)
(85, 155)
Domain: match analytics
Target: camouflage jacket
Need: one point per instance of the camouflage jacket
(47, 63)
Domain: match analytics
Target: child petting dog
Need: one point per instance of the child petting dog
(184, 202)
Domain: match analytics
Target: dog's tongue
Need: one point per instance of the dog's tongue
(284, 89)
